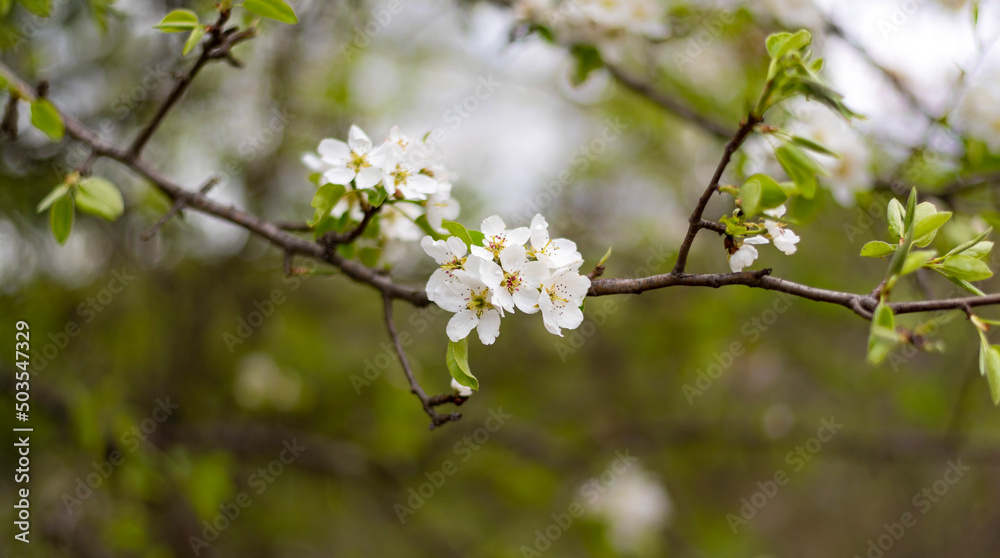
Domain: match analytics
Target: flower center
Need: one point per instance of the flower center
(357, 162)
(457, 263)
(400, 175)
(478, 303)
(496, 244)
(554, 296)
(512, 281)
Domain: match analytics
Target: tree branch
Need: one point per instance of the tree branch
(695, 221)
(669, 104)
(428, 403)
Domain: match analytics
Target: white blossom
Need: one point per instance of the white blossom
(745, 254)
(554, 253)
(497, 237)
(471, 300)
(560, 300)
(849, 173)
(516, 280)
(463, 391)
(634, 507)
(355, 160)
(441, 206)
(450, 255)
(978, 112)
(402, 179)
(784, 239)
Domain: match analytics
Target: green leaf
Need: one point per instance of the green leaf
(800, 168)
(814, 146)
(459, 230)
(966, 268)
(61, 218)
(915, 260)
(761, 192)
(882, 335)
(421, 222)
(907, 243)
(895, 213)
(780, 44)
(323, 201)
(927, 227)
(193, 39)
(377, 195)
(877, 249)
(750, 193)
(979, 250)
(56, 193)
(45, 117)
(588, 59)
(993, 372)
(962, 283)
(975, 248)
(477, 237)
(5, 6)
(41, 8)
(178, 21)
(277, 10)
(98, 196)
(458, 363)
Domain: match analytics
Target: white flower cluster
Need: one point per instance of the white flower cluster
(503, 274)
(596, 19)
(406, 170)
(978, 115)
(784, 239)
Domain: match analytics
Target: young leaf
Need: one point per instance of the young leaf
(877, 249)
(41, 8)
(882, 335)
(178, 21)
(323, 201)
(376, 196)
(975, 247)
(277, 10)
(56, 193)
(916, 260)
(459, 230)
(193, 39)
(100, 197)
(993, 372)
(895, 214)
(457, 358)
(961, 283)
(588, 59)
(61, 218)
(966, 268)
(814, 146)
(369, 255)
(927, 226)
(800, 168)
(761, 192)
(45, 117)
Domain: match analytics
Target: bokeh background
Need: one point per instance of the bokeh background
(605, 421)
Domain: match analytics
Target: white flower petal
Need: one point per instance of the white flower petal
(493, 226)
(462, 323)
(368, 178)
(334, 151)
(339, 175)
(358, 141)
(489, 327)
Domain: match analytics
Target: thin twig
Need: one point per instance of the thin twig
(695, 221)
(428, 403)
(668, 103)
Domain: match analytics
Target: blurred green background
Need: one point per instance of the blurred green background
(604, 422)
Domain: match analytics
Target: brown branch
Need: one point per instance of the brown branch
(428, 403)
(333, 238)
(669, 104)
(217, 47)
(696, 221)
